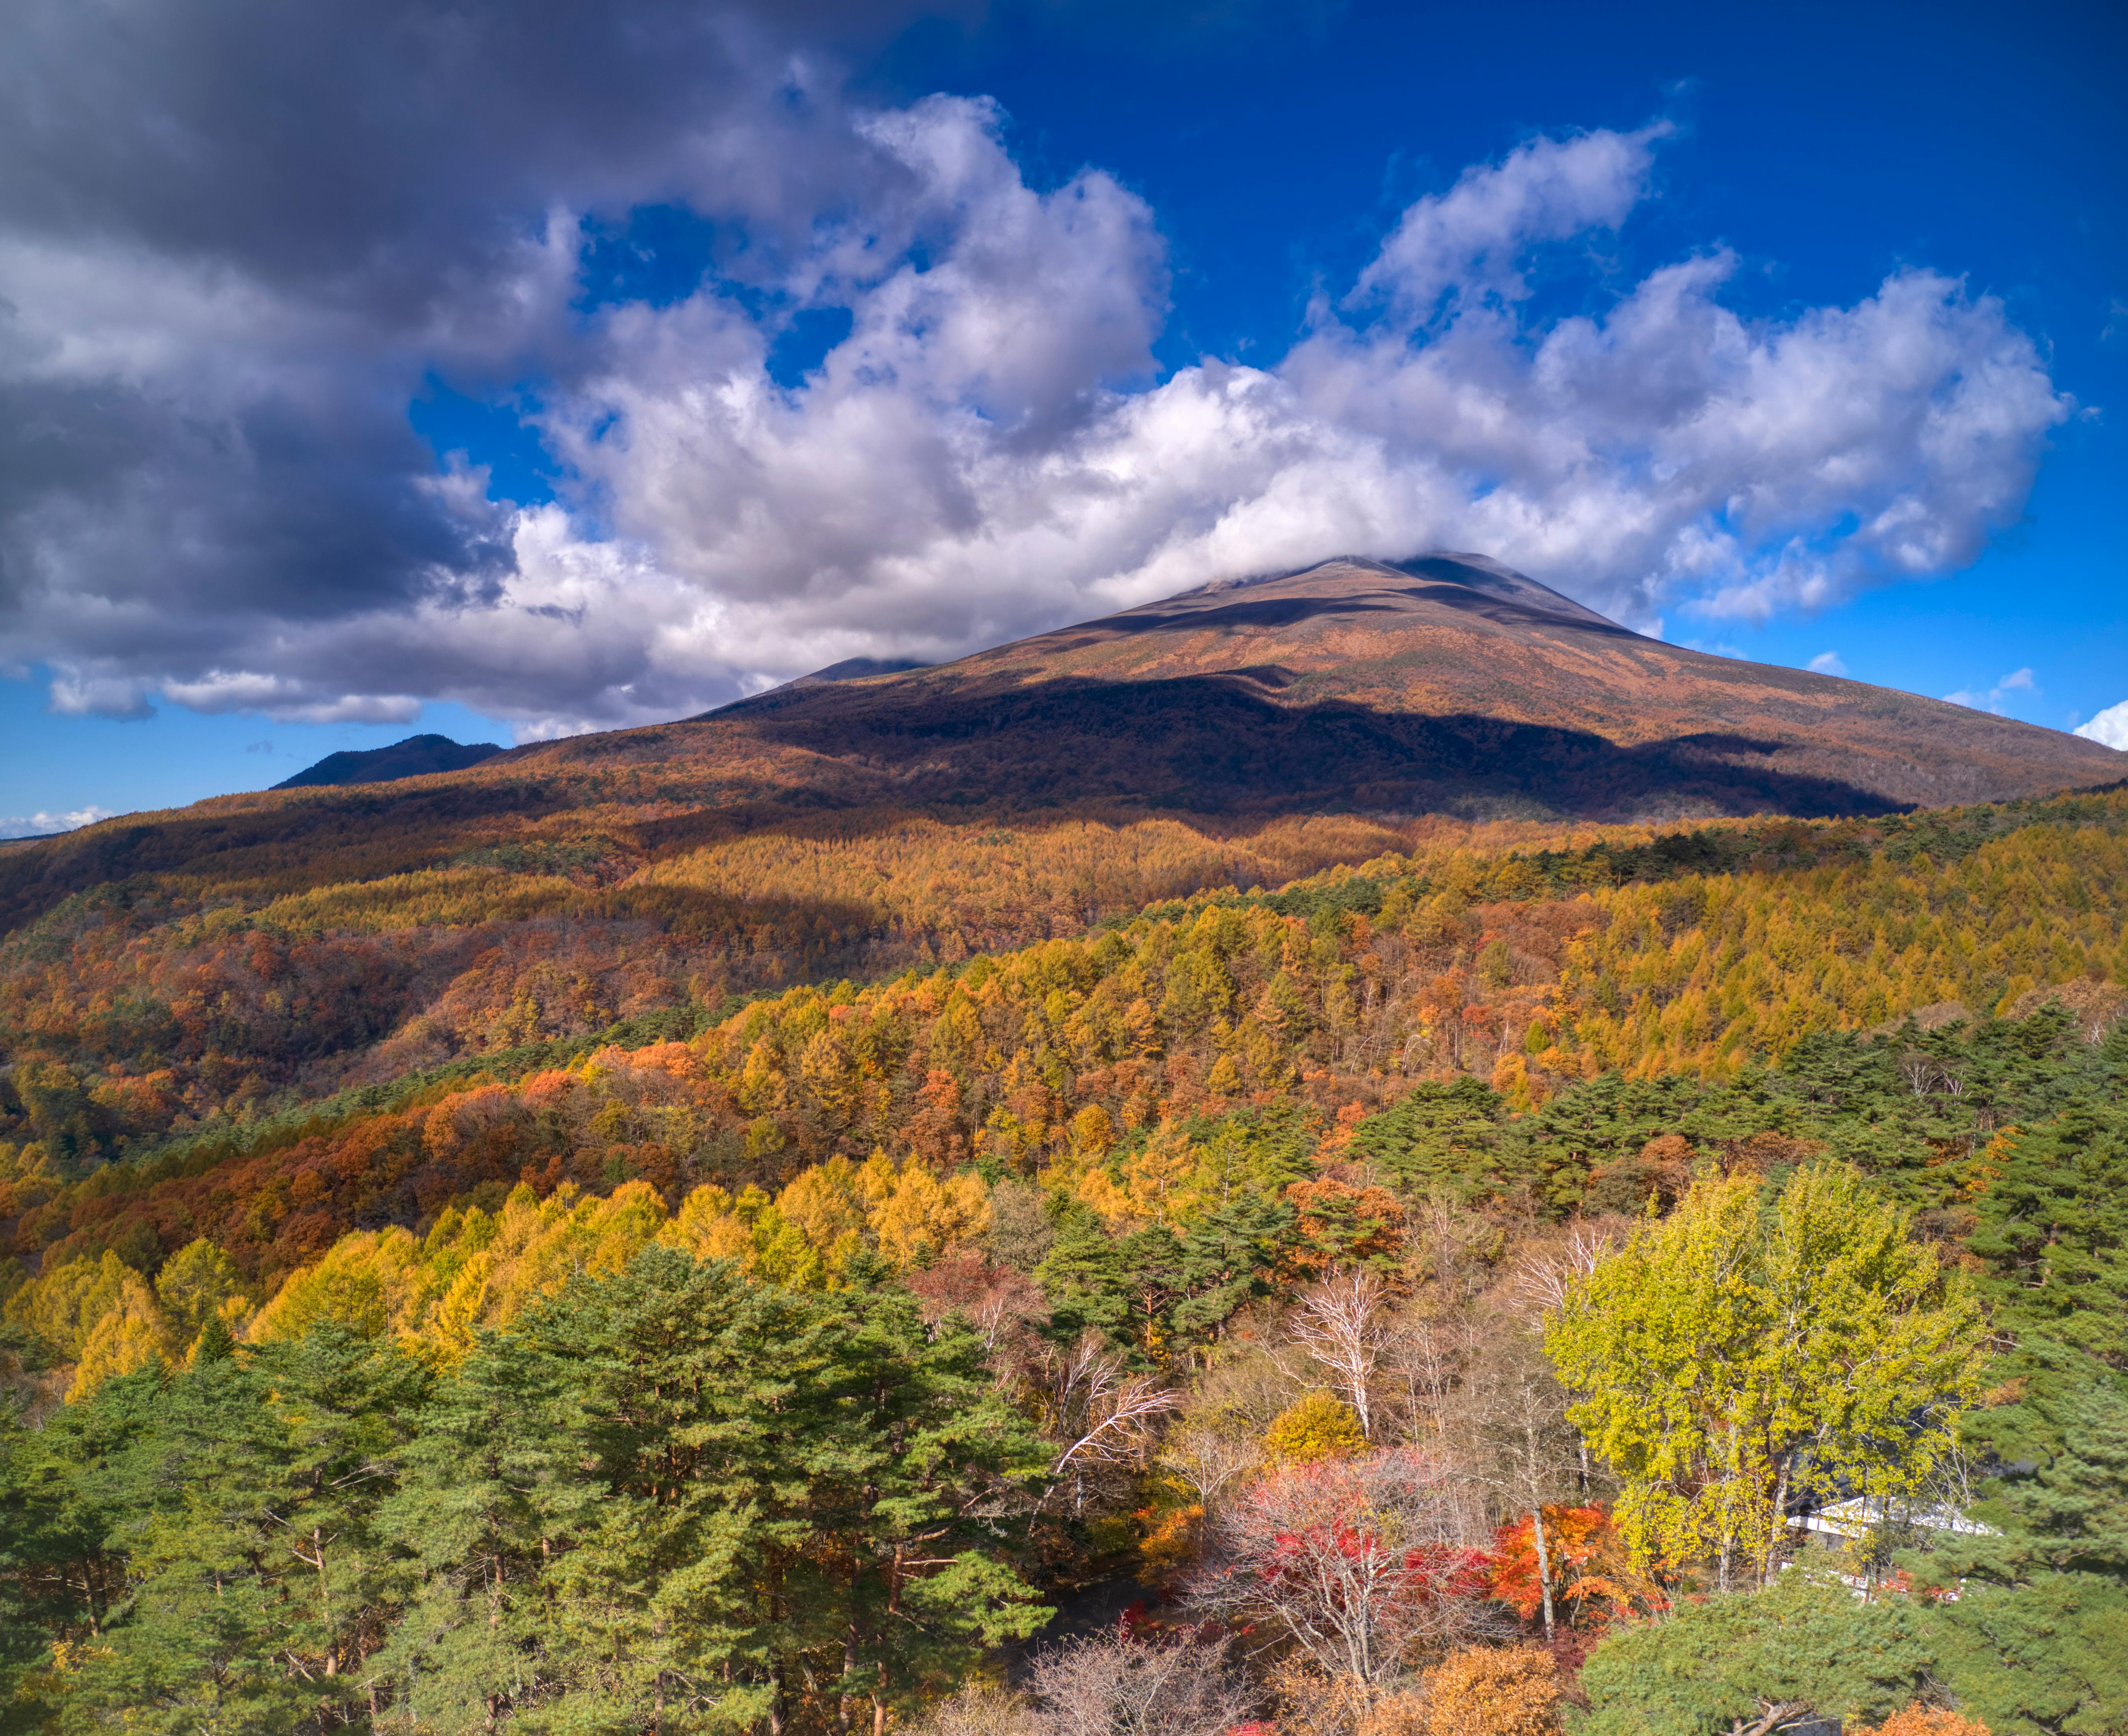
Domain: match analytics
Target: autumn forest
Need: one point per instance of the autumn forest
(1061, 1272)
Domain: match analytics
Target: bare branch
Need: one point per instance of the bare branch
(1112, 1685)
(1339, 1322)
(1101, 1416)
(1362, 1565)
(1543, 1275)
(1208, 1451)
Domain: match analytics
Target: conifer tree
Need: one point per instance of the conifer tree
(259, 1582)
(1803, 1648)
(2035, 1637)
(1226, 1256)
(1083, 1276)
(2052, 1240)
(681, 1490)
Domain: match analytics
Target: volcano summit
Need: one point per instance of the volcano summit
(1447, 682)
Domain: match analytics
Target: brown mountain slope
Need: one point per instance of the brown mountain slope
(1449, 683)
(1446, 685)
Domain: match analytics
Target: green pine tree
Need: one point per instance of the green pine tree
(2036, 1638)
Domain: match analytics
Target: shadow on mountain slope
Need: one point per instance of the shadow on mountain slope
(1447, 684)
(366, 832)
(1269, 611)
(1215, 744)
(1509, 613)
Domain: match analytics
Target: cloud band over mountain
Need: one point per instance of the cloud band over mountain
(237, 241)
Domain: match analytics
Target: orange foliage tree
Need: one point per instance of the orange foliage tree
(1598, 1578)
(1920, 1720)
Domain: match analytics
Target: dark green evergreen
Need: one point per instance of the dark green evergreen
(1713, 1667)
(671, 1498)
(2036, 1638)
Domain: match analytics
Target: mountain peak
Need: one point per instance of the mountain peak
(1446, 682)
(416, 757)
(1478, 572)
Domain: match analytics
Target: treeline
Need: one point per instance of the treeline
(1931, 1118)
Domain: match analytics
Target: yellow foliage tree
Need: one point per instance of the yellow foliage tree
(1156, 1184)
(1314, 1428)
(370, 1283)
(131, 1334)
(1092, 1132)
(198, 1283)
(536, 1246)
(923, 1217)
(713, 1225)
(471, 1271)
(824, 1204)
(61, 1308)
(1723, 1343)
(875, 1180)
(1156, 1178)
(751, 1228)
(1511, 1079)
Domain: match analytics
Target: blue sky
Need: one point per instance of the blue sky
(1163, 186)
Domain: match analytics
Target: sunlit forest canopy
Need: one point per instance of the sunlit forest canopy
(1167, 1186)
(164, 1013)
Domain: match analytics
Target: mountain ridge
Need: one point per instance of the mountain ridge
(1445, 681)
(1445, 685)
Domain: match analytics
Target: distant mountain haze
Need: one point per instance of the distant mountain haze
(416, 757)
(1443, 685)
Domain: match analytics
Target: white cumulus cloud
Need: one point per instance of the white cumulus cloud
(224, 505)
(2109, 728)
(42, 824)
(2017, 681)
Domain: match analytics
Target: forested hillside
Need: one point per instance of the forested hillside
(188, 1045)
(644, 1348)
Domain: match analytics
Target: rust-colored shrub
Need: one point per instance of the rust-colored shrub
(1493, 1691)
(1920, 1720)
